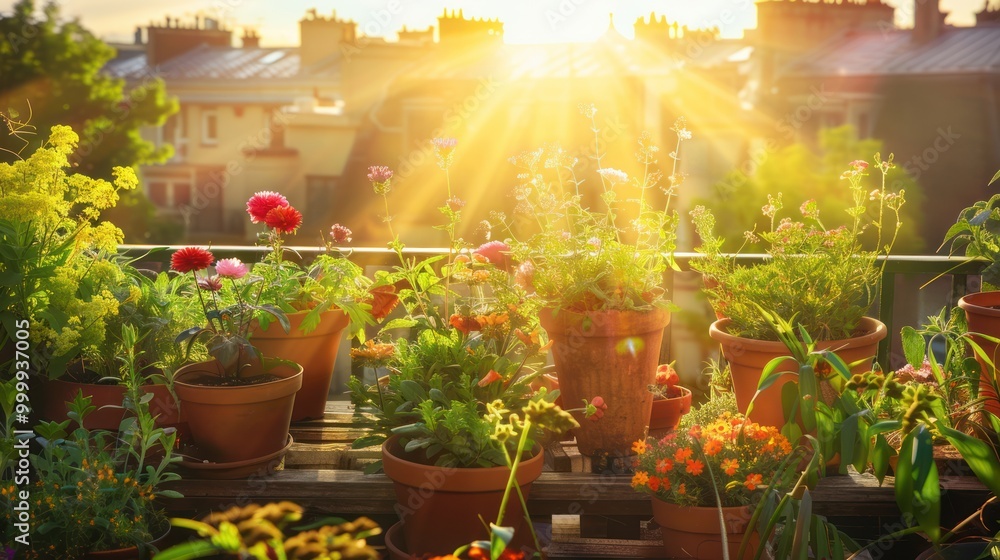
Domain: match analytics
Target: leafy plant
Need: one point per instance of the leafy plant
(584, 259)
(822, 277)
(976, 234)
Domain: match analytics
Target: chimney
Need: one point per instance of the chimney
(251, 40)
(138, 35)
(321, 37)
(173, 39)
(928, 21)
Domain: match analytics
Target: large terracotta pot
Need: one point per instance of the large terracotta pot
(132, 552)
(982, 312)
(230, 424)
(440, 507)
(315, 351)
(666, 413)
(747, 358)
(611, 354)
(108, 401)
(694, 532)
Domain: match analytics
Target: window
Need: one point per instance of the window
(170, 193)
(209, 127)
(175, 133)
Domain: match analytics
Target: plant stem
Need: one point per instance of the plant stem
(512, 480)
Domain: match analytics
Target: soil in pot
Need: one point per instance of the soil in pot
(747, 358)
(611, 354)
(316, 352)
(237, 423)
(440, 507)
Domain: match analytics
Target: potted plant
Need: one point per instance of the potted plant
(456, 412)
(598, 277)
(823, 278)
(238, 391)
(975, 235)
(670, 401)
(264, 532)
(321, 300)
(96, 491)
(704, 477)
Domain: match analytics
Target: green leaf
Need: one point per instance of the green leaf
(980, 456)
(918, 492)
(400, 323)
(880, 457)
(190, 550)
(913, 346)
(994, 179)
(367, 441)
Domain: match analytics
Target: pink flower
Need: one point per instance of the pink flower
(496, 252)
(379, 173)
(596, 408)
(491, 377)
(859, 165)
(455, 203)
(444, 145)
(210, 283)
(340, 234)
(525, 275)
(263, 202)
(190, 259)
(283, 219)
(231, 268)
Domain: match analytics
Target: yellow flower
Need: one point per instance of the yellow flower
(639, 447)
(641, 478)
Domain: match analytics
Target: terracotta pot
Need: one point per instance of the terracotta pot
(666, 413)
(108, 400)
(611, 354)
(440, 507)
(982, 312)
(231, 424)
(747, 358)
(395, 543)
(694, 532)
(132, 552)
(315, 351)
(258, 467)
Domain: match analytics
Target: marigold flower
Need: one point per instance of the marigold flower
(694, 467)
(464, 323)
(654, 483)
(373, 354)
(283, 219)
(231, 268)
(640, 478)
(664, 466)
(596, 408)
(683, 454)
(340, 234)
(639, 447)
(753, 480)
(491, 377)
(682, 489)
(712, 447)
(191, 259)
(729, 466)
(263, 202)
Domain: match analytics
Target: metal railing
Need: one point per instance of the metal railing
(959, 269)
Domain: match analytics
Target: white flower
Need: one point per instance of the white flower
(613, 176)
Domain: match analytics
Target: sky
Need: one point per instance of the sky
(526, 21)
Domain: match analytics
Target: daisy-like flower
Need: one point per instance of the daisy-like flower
(231, 268)
(263, 202)
(729, 466)
(682, 454)
(210, 283)
(191, 259)
(340, 234)
(713, 447)
(664, 465)
(639, 447)
(373, 354)
(640, 478)
(695, 467)
(283, 219)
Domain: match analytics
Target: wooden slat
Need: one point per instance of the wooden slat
(854, 494)
(604, 548)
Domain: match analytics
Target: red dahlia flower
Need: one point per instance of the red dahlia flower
(263, 202)
(283, 219)
(190, 259)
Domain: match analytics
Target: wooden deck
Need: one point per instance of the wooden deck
(322, 473)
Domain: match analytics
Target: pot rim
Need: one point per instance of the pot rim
(981, 303)
(289, 384)
(877, 331)
(605, 323)
(456, 479)
(205, 465)
(685, 394)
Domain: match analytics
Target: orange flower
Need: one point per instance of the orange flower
(753, 480)
(713, 447)
(493, 319)
(464, 324)
(639, 447)
(683, 454)
(640, 479)
(664, 466)
(695, 431)
(695, 467)
(654, 483)
(729, 466)
(682, 489)
(491, 377)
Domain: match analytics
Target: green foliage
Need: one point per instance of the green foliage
(261, 533)
(823, 277)
(585, 259)
(976, 234)
(96, 490)
(56, 265)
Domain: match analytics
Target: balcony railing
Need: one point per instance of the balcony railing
(963, 275)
